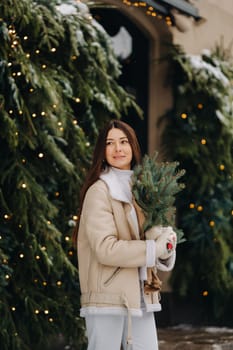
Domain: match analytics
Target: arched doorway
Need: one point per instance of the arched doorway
(132, 49)
(142, 73)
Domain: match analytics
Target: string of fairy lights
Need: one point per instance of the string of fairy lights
(15, 44)
(149, 10)
(203, 142)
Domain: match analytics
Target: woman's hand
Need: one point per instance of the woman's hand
(165, 240)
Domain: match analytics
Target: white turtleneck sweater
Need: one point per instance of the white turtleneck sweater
(124, 177)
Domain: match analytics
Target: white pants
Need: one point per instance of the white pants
(105, 332)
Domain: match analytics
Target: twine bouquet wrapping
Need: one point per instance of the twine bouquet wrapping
(155, 186)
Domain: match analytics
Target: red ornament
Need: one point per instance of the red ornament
(169, 246)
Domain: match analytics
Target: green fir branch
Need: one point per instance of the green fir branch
(154, 187)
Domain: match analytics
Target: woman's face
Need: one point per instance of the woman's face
(118, 151)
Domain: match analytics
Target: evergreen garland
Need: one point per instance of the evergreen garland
(58, 85)
(199, 135)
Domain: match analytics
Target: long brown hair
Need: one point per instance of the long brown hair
(99, 162)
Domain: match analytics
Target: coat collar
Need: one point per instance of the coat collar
(116, 192)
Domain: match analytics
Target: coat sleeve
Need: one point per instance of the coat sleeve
(98, 222)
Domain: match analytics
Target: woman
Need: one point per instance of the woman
(112, 258)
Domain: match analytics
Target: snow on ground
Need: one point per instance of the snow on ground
(186, 337)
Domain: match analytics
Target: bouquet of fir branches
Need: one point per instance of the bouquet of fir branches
(154, 186)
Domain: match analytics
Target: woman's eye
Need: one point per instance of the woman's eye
(122, 142)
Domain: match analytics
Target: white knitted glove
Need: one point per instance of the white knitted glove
(170, 243)
(165, 240)
(154, 232)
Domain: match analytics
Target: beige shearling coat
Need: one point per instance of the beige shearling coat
(110, 254)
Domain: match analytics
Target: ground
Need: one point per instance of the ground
(193, 338)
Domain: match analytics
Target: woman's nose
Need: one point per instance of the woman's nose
(118, 146)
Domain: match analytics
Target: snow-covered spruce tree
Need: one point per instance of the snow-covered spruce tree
(199, 134)
(58, 85)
